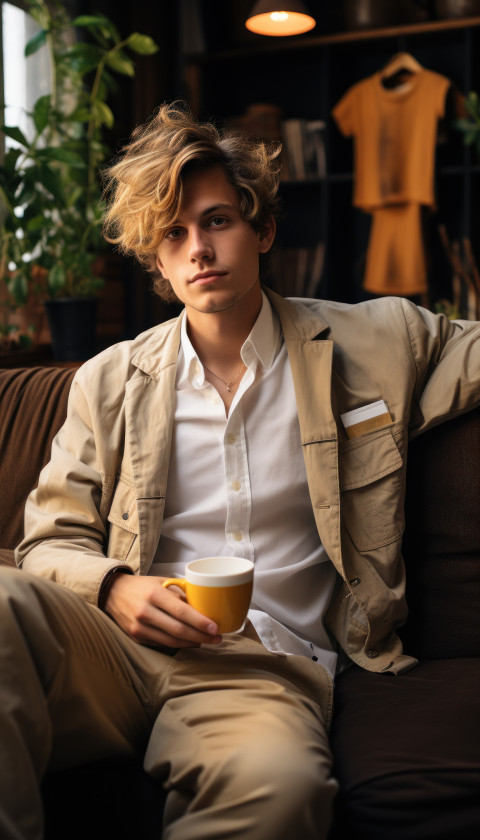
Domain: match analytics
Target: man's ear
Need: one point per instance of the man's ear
(267, 235)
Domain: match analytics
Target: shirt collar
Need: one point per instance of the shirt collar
(263, 341)
(264, 338)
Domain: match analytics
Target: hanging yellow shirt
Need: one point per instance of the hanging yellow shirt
(395, 136)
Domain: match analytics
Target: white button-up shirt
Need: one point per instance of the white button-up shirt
(237, 486)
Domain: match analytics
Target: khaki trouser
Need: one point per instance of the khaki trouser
(236, 735)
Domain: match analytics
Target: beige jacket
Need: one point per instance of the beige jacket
(100, 500)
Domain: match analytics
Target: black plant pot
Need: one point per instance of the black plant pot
(73, 325)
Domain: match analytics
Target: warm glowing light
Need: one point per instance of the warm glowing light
(266, 18)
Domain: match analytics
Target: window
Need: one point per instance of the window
(23, 79)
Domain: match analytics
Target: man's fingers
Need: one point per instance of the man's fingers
(181, 622)
(153, 615)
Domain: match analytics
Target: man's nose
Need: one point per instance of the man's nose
(200, 245)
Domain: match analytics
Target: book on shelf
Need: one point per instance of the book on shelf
(304, 149)
(297, 272)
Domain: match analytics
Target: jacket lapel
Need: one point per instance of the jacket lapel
(149, 414)
(311, 359)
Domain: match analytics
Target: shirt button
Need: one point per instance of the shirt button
(236, 485)
(231, 437)
(237, 536)
(124, 515)
(354, 581)
(372, 653)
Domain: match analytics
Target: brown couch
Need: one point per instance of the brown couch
(406, 749)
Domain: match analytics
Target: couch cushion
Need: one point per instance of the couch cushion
(442, 541)
(407, 752)
(7, 557)
(33, 404)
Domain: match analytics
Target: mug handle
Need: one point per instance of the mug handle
(181, 582)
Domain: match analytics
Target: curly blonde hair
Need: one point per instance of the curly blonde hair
(144, 187)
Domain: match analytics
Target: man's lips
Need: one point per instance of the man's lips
(205, 277)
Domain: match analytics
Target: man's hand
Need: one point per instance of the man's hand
(155, 616)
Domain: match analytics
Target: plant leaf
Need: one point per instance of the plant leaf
(16, 134)
(84, 57)
(18, 287)
(35, 224)
(472, 98)
(79, 115)
(36, 42)
(41, 111)
(59, 153)
(103, 114)
(142, 44)
(4, 202)
(90, 20)
(98, 22)
(10, 159)
(39, 15)
(120, 62)
(56, 279)
(463, 124)
(76, 193)
(53, 183)
(470, 137)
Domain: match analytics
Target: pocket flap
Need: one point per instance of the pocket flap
(366, 459)
(123, 511)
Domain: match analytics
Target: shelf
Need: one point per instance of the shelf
(352, 36)
(345, 177)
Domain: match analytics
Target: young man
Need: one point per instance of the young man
(226, 432)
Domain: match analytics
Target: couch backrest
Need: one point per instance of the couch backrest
(442, 541)
(33, 405)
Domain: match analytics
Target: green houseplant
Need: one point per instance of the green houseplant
(50, 191)
(469, 125)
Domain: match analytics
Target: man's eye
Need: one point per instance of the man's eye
(217, 221)
(174, 233)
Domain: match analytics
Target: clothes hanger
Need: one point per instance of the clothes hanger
(401, 61)
(398, 70)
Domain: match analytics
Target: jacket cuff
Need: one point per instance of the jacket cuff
(107, 580)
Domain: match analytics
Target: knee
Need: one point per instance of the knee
(288, 789)
(289, 775)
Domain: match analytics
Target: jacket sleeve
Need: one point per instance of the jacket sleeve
(446, 355)
(66, 516)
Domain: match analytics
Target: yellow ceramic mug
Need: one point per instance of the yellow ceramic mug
(220, 588)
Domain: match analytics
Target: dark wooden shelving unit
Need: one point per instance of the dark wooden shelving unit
(305, 77)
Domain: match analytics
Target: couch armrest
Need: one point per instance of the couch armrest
(33, 406)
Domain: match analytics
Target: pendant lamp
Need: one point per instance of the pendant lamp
(279, 17)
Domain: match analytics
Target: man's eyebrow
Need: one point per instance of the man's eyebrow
(216, 207)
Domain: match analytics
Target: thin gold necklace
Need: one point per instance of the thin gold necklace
(229, 382)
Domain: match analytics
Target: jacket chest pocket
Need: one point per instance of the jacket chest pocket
(123, 519)
(372, 490)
